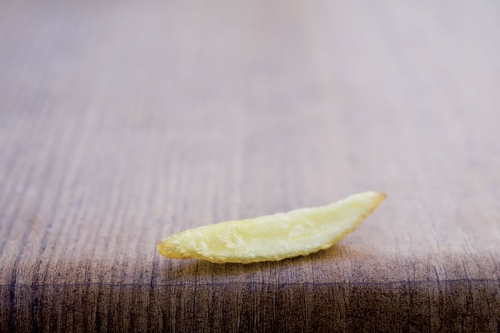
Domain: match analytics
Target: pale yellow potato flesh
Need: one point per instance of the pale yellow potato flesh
(273, 237)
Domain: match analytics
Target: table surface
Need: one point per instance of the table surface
(124, 122)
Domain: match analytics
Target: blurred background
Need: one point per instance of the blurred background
(124, 121)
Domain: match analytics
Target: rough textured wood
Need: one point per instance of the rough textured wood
(123, 122)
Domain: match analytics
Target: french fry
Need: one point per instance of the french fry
(273, 237)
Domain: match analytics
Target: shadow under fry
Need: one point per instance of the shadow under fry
(193, 270)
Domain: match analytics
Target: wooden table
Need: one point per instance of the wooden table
(122, 122)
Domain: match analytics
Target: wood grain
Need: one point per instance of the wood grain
(124, 122)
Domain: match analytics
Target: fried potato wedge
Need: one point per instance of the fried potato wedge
(273, 237)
